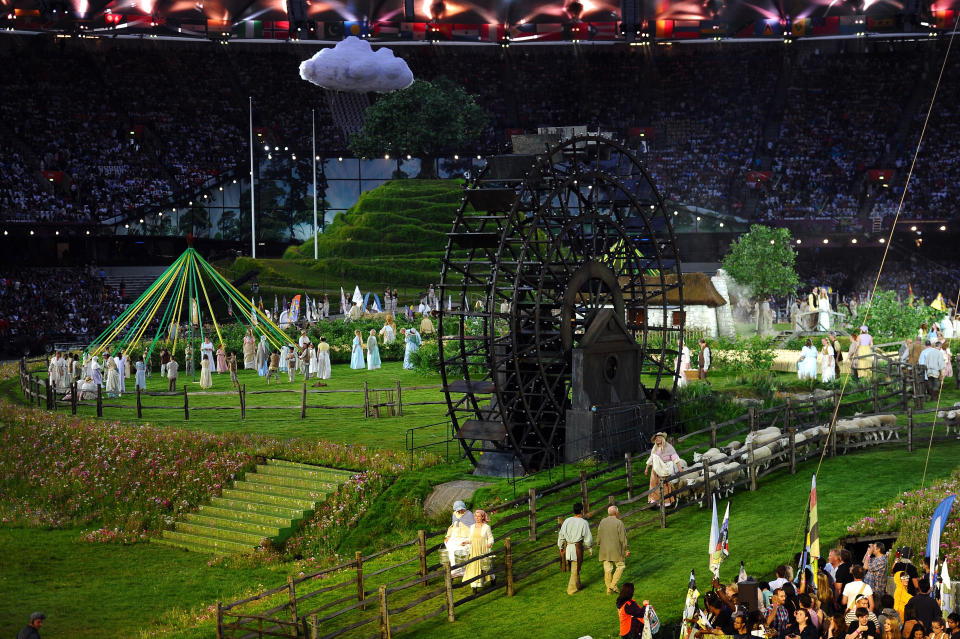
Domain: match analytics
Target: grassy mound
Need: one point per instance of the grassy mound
(394, 235)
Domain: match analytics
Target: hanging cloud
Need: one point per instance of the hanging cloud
(353, 66)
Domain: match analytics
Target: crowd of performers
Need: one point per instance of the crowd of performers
(110, 373)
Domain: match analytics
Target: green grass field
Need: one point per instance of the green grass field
(346, 425)
(148, 590)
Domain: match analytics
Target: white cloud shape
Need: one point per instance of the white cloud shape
(352, 65)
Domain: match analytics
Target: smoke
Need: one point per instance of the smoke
(353, 66)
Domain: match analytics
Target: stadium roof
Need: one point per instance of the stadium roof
(332, 19)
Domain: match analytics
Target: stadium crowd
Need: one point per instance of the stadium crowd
(812, 122)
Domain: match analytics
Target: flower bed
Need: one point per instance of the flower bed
(911, 513)
(131, 481)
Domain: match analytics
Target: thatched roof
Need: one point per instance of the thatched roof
(698, 290)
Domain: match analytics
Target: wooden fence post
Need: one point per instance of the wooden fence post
(532, 513)
(448, 586)
(903, 387)
(186, 404)
(243, 402)
(706, 483)
(37, 394)
(422, 552)
(74, 398)
(366, 400)
(219, 620)
(753, 468)
(793, 451)
(752, 417)
(629, 466)
(584, 495)
(51, 402)
(360, 596)
(291, 587)
(909, 429)
(663, 508)
(876, 391)
(303, 401)
(384, 613)
(139, 405)
(508, 563)
(713, 434)
(99, 400)
(399, 400)
(788, 415)
(312, 627)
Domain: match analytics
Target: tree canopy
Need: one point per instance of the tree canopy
(424, 120)
(763, 260)
(889, 319)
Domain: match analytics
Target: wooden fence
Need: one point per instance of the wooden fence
(418, 590)
(374, 402)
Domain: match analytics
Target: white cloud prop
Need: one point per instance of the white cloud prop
(353, 66)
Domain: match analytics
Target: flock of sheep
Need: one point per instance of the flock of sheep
(730, 463)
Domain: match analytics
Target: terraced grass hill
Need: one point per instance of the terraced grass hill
(395, 234)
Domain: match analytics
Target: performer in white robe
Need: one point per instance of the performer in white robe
(88, 389)
(684, 366)
(323, 359)
(412, 343)
(325, 309)
(206, 379)
(95, 373)
(120, 359)
(807, 364)
(206, 348)
(946, 326)
(827, 362)
(249, 350)
(113, 379)
(284, 354)
(263, 356)
(823, 306)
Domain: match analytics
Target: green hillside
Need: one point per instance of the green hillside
(394, 235)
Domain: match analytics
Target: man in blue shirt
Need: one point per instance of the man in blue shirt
(778, 618)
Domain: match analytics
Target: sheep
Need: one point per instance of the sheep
(764, 436)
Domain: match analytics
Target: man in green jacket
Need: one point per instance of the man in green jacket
(612, 548)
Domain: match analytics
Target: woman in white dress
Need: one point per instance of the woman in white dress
(113, 378)
(206, 379)
(827, 362)
(807, 364)
(323, 359)
(206, 350)
(662, 463)
(481, 540)
(683, 367)
(823, 305)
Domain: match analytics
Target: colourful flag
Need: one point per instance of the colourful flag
(742, 575)
(937, 523)
(689, 607)
(295, 309)
(938, 303)
(721, 546)
(813, 527)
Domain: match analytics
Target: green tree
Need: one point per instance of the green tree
(890, 320)
(425, 120)
(763, 260)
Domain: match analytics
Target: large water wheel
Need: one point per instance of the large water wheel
(541, 244)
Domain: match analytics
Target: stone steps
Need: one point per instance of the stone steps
(267, 504)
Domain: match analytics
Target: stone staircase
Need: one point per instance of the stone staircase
(268, 503)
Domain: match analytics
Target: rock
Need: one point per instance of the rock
(441, 498)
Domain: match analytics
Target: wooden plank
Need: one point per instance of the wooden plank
(470, 386)
(486, 431)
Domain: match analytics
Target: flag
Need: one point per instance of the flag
(366, 300)
(253, 311)
(722, 547)
(276, 306)
(466, 32)
(249, 29)
(295, 309)
(449, 303)
(356, 28)
(646, 633)
(937, 523)
(307, 313)
(413, 30)
(357, 295)
(714, 530)
(333, 31)
(343, 302)
(229, 308)
(946, 591)
(492, 32)
(742, 575)
(277, 30)
(376, 304)
(689, 607)
(194, 311)
(938, 303)
(813, 527)
(664, 29)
